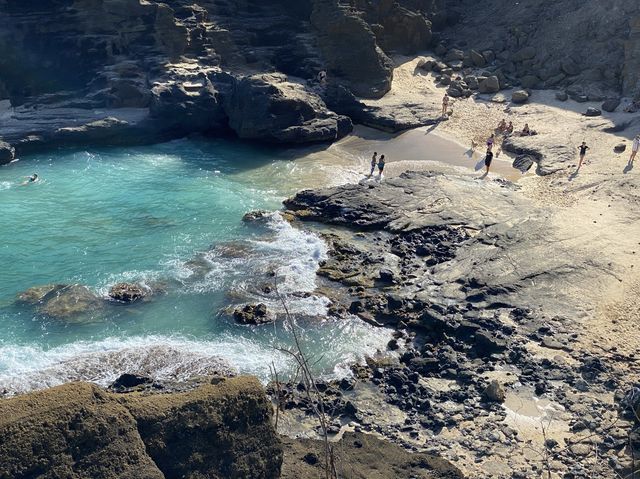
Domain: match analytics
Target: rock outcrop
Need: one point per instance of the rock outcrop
(350, 50)
(272, 109)
(78, 430)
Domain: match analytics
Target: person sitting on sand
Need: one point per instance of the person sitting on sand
(487, 160)
(490, 142)
(374, 162)
(381, 163)
(583, 151)
(502, 126)
(445, 105)
(509, 129)
(30, 179)
(525, 131)
(634, 148)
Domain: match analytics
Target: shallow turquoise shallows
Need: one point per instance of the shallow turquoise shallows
(168, 216)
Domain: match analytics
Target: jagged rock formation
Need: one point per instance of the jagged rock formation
(132, 71)
(78, 430)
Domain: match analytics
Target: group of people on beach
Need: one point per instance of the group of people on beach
(505, 130)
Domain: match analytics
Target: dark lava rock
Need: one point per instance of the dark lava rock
(350, 50)
(621, 147)
(253, 314)
(7, 153)
(591, 111)
(611, 105)
(494, 392)
(127, 381)
(520, 96)
(127, 292)
(562, 96)
(258, 215)
(488, 344)
(523, 163)
(270, 108)
(489, 85)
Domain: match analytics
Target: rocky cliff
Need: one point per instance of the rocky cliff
(79, 430)
(132, 71)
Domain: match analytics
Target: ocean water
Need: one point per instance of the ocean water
(168, 216)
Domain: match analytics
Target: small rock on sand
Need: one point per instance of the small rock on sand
(495, 392)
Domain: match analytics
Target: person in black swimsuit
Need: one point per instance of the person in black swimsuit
(488, 159)
(381, 163)
(583, 151)
(30, 179)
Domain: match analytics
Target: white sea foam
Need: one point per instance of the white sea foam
(5, 185)
(26, 368)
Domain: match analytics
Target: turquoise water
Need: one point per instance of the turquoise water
(166, 216)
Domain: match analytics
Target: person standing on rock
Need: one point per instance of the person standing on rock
(381, 164)
(583, 151)
(374, 162)
(487, 160)
(445, 105)
(634, 149)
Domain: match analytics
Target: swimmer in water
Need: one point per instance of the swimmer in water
(30, 179)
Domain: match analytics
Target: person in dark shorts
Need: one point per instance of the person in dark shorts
(488, 159)
(583, 151)
(381, 164)
(374, 162)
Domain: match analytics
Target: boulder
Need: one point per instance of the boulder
(257, 215)
(272, 109)
(472, 82)
(477, 58)
(129, 381)
(7, 153)
(62, 301)
(562, 96)
(127, 292)
(454, 55)
(253, 314)
(426, 64)
(620, 148)
(591, 111)
(529, 81)
(489, 85)
(494, 392)
(78, 430)
(611, 105)
(349, 48)
(519, 96)
(523, 163)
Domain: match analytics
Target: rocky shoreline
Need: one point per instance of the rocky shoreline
(448, 263)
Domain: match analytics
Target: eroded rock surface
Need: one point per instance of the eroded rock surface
(78, 430)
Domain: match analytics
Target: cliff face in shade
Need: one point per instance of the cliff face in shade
(78, 431)
(166, 69)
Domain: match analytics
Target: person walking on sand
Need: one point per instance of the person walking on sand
(381, 164)
(445, 105)
(583, 151)
(487, 160)
(634, 148)
(374, 162)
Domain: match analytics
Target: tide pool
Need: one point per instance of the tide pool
(168, 214)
